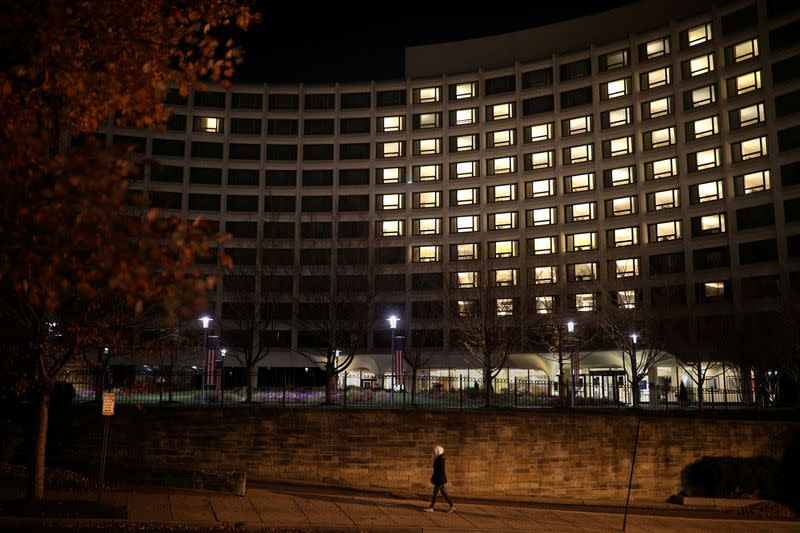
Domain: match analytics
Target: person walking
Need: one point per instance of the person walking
(439, 480)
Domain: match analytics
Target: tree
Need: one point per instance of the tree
(418, 354)
(68, 67)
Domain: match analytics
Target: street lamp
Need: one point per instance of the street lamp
(207, 369)
(397, 359)
(634, 365)
(573, 362)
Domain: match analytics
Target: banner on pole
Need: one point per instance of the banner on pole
(109, 399)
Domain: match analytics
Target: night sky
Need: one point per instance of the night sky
(304, 42)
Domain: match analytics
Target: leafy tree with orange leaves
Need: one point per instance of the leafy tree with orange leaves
(76, 261)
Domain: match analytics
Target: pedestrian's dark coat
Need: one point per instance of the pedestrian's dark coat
(439, 476)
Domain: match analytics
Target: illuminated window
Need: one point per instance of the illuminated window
(582, 272)
(427, 146)
(749, 149)
(540, 188)
(704, 159)
(464, 252)
(578, 154)
(544, 275)
(500, 111)
(425, 200)
(501, 193)
(741, 52)
(392, 123)
(660, 107)
(495, 139)
(503, 249)
(707, 192)
(615, 88)
(426, 254)
(391, 149)
(579, 182)
(500, 221)
(543, 216)
(615, 177)
(659, 77)
(544, 304)
(578, 242)
(466, 307)
(390, 202)
(464, 196)
(664, 231)
(618, 147)
(659, 138)
(208, 124)
(626, 268)
(504, 306)
(752, 182)
(423, 121)
(580, 212)
(746, 116)
(465, 280)
(708, 224)
(656, 48)
(505, 278)
(668, 199)
(464, 224)
(426, 226)
(538, 160)
(390, 175)
(576, 126)
(585, 302)
(616, 117)
(427, 173)
(464, 169)
(714, 289)
(427, 95)
(461, 117)
(663, 168)
(613, 60)
(542, 246)
(464, 143)
(539, 132)
(623, 237)
(704, 127)
(744, 83)
(698, 34)
(626, 299)
(390, 228)
(461, 91)
(698, 66)
(502, 165)
(617, 207)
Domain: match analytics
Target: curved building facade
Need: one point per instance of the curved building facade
(661, 164)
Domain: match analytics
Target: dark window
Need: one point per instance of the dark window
(168, 147)
(354, 151)
(209, 99)
(246, 126)
(281, 152)
(789, 139)
(390, 98)
(793, 246)
(139, 144)
(350, 283)
(242, 203)
(760, 287)
(282, 126)
(174, 98)
(790, 174)
(207, 176)
(349, 126)
(668, 296)
(176, 123)
(243, 176)
(539, 104)
(242, 256)
(315, 256)
(354, 229)
(390, 256)
(353, 256)
(278, 230)
(755, 217)
(358, 202)
(281, 178)
(707, 258)
(315, 283)
(576, 97)
(207, 150)
(390, 282)
(355, 100)
(740, 20)
(278, 256)
(251, 152)
(354, 176)
(788, 103)
(204, 202)
(318, 178)
(537, 78)
(434, 310)
(317, 152)
(239, 283)
(758, 251)
(165, 200)
(315, 311)
(166, 173)
(667, 263)
(318, 126)
(320, 101)
(785, 70)
(284, 102)
(777, 8)
(785, 36)
(242, 230)
(575, 70)
(279, 204)
(427, 282)
(316, 204)
(316, 230)
(502, 84)
(791, 209)
(247, 101)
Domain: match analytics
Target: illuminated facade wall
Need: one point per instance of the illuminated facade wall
(663, 167)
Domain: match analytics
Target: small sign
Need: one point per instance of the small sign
(108, 403)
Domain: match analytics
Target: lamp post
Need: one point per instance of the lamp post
(573, 361)
(397, 360)
(634, 365)
(205, 320)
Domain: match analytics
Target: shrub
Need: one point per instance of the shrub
(731, 477)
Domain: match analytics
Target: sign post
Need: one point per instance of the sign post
(109, 399)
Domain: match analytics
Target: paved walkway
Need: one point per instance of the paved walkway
(295, 507)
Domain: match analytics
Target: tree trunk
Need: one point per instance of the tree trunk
(37, 463)
(249, 389)
(413, 386)
(487, 386)
(329, 388)
(562, 380)
(635, 392)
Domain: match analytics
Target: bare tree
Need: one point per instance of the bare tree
(418, 353)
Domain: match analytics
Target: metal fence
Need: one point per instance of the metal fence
(429, 392)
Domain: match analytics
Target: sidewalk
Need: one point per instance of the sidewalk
(331, 510)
